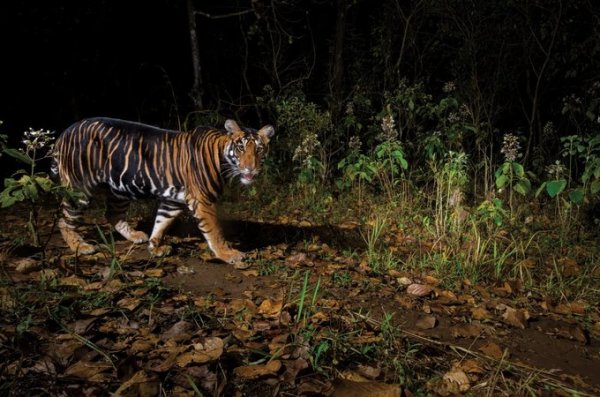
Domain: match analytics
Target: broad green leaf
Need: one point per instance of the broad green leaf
(18, 155)
(576, 196)
(501, 181)
(523, 186)
(518, 169)
(555, 187)
(44, 182)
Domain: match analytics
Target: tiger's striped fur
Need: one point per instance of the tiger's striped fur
(181, 169)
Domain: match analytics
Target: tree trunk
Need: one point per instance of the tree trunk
(338, 60)
(197, 91)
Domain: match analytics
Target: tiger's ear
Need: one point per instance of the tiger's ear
(266, 133)
(231, 126)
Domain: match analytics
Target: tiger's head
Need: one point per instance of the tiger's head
(246, 150)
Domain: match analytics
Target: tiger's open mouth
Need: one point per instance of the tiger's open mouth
(247, 178)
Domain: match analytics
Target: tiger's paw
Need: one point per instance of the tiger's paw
(84, 248)
(160, 251)
(138, 237)
(232, 256)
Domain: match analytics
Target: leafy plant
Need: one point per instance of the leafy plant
(512, 176)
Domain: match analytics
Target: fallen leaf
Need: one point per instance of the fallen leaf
(419, 290)
(296, 259)
(354, 376)
(72, 281)
(368, 371)
(516, 317)
(179, 331)
(577, 308)
(140, 384)
(569, 267)
(466, 330)
(85, 369)
(292, 368)
(459, 377)
(365, 339)
(270, 308)
(248, 372)
(348, 388)
(129, 303)
(480, 313)
(431, 280)
(493, 350)
(472, 366)
(82, 326)
(426, 322)
(157, 273)
(26, 265)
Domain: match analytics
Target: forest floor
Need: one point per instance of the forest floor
(310, 315)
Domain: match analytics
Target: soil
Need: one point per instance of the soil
(551, 343)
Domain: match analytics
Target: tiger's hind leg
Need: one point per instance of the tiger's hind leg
(116, 214)
(68, 223)
(165, 215)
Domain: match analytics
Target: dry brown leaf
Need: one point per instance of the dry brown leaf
(140, 384)
(404, 281)
(577, 308)
(72, 281)
(157, 273)
(296, 259)
(85, 369)
(348, 388)
(419, 290)
(431, 280)
(248, 372)
(516, 317)
(99, 311)
(319, 317)
(179, 331)
(114, 285)
(365, 339)
(466, 330)
(129, 303)
(26, 265)
(472, 366)
(480, 313)
(493, 350)
(250, 273)
(459, 377)
(270, 308)
(292, 368)
(354, 376)
(82, 326)
(569, 267)
(143, 345)
(368, 371)
(426, 322)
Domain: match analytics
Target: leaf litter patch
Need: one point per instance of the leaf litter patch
(306, 318)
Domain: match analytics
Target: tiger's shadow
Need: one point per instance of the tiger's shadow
(250, 235)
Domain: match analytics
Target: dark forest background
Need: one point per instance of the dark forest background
(529, 68)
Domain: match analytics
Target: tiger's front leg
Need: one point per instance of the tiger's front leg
(206, 214)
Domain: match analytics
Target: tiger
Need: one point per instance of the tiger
(182, 170)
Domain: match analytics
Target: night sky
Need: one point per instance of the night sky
(63, 61)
